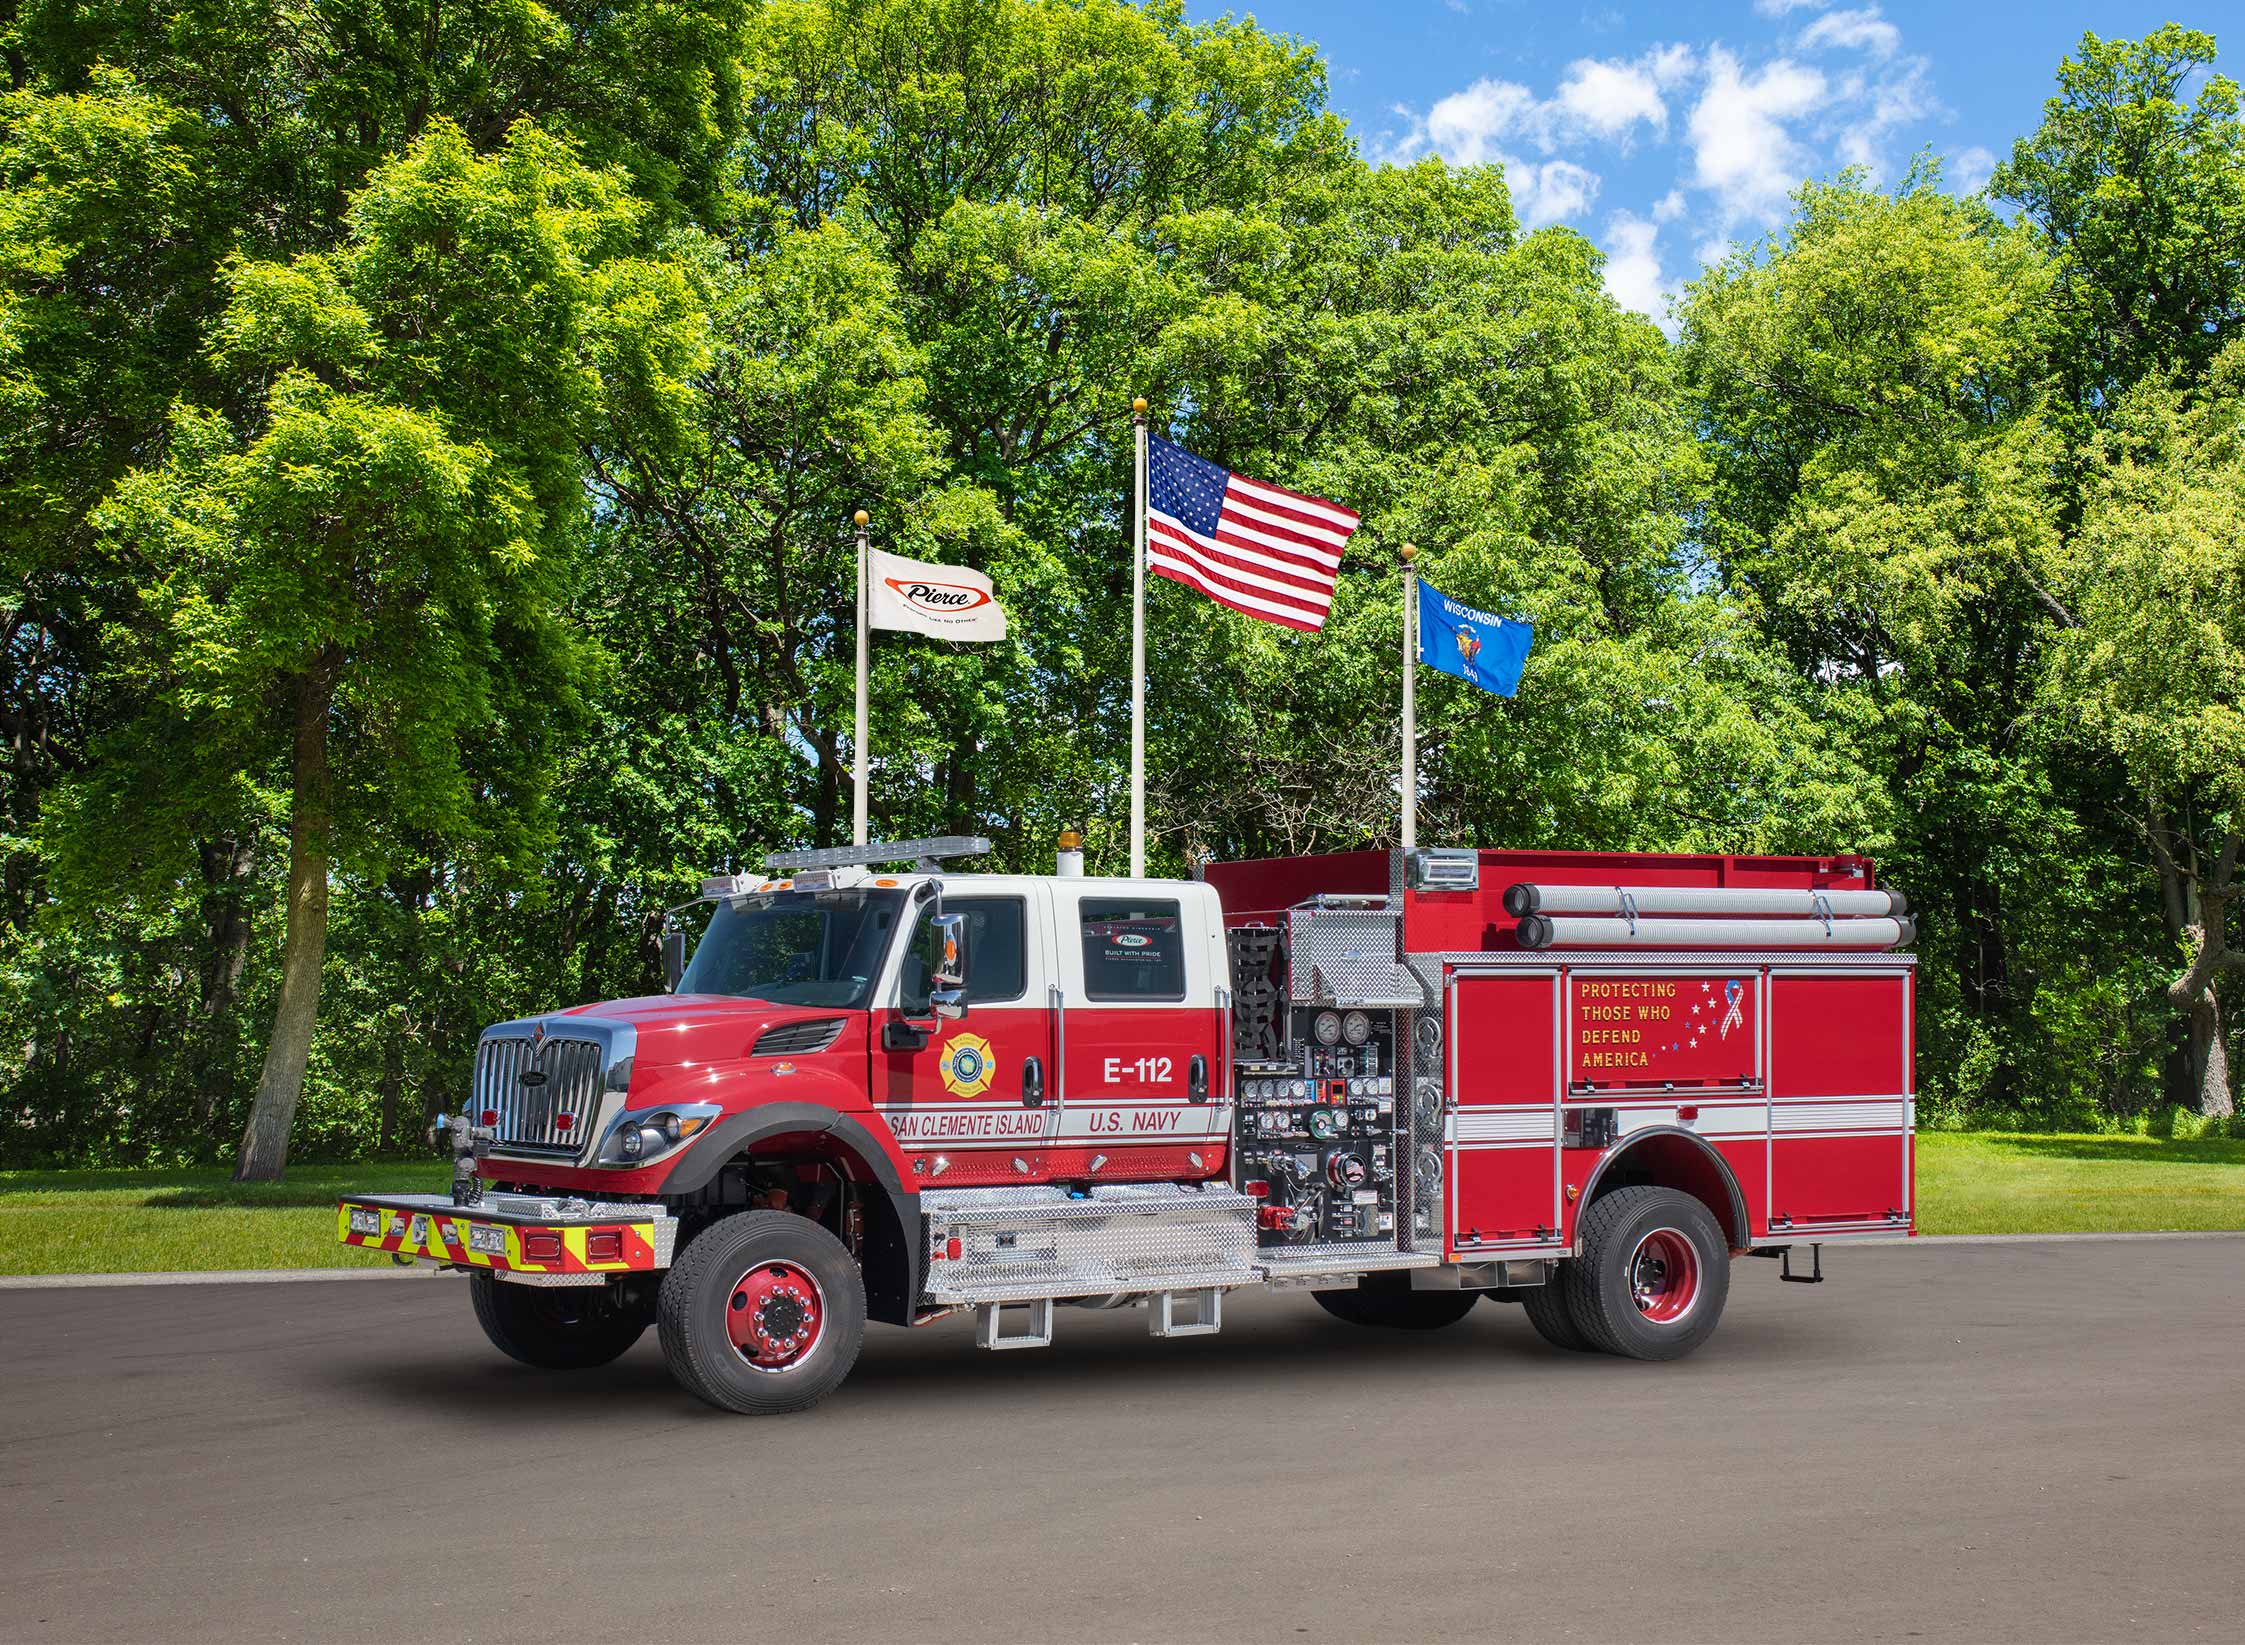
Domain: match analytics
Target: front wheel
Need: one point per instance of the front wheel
(561, 1328)
(764, 1312)
(1654, 1273)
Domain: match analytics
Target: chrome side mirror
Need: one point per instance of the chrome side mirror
(947, 992)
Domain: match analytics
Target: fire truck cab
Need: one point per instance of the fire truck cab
(1401, 1081)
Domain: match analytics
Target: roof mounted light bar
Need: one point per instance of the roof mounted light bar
(926, 854)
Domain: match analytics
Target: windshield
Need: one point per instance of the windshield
(796, 947)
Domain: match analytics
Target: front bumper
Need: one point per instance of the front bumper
(525, 1238)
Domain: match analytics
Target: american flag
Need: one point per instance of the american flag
(1257, 548)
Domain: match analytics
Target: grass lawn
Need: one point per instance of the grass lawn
(103, 1222)
(1983, 1182)
(88, 1222)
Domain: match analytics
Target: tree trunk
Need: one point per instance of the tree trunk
(2210, 1058)
(2193, 993)
(265, 1138)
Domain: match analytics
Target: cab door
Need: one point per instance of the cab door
(1140, 966)
(971, 1098)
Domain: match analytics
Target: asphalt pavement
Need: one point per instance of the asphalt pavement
(2030, 1442)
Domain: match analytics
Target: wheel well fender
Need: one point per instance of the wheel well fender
(1668, 1156)
(891, 1258)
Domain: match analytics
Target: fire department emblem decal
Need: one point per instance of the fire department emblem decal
(968, 1067)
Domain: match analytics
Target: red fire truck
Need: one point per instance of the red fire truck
(1402, 1081)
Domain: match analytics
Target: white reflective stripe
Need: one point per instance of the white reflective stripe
(1850, 1113)
(1144, 1122)
(1500, 1125)
(1711, 1122)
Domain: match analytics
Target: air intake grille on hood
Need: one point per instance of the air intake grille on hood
(794, 1039)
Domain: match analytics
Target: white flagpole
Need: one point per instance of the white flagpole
(1138, 649)
(864, 652)
(1410, 697)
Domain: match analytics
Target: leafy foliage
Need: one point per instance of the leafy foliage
(484, 392)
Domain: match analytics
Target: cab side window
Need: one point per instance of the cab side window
(1134, 949)
(997, 959)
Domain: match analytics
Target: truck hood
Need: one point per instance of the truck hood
(700, 1028)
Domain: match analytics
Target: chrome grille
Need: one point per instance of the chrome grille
(796, 1039)
(548, 1118)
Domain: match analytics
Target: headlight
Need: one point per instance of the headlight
(641, 1138)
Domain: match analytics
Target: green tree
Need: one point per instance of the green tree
(360, 583)
(2152, 666)
(1872, 400)
(2141, 197)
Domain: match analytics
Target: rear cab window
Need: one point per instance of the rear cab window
(1133, 947)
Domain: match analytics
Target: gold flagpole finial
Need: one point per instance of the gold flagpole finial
(1407, 553)
(860, 517)
(1138, 406)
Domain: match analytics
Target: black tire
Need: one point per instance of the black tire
(1629, 1290)
(807, 1278)
(1547, 1310)
(1394, 1308)
(556, 1328)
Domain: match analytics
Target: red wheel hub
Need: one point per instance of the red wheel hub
(775, 1315)
(1664, 1276)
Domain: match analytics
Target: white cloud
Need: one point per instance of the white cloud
(1902, 94)
(1753, 123)
(1486, 125)
(1863, 30)
(1610, 98)
(1551, 192)
(1466, 126)
(1970, 170)
(1633, 267)
(1742, 147)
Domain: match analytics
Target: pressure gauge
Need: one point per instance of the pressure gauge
(1356, 1028)
(1327, 1028)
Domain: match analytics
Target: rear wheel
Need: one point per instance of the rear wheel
(1396, 1308)
(1547, 1310)
(557, 1328)
(1653, 1276)
(764, 1312)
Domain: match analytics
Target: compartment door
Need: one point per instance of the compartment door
(1841, 1109)
(1501, 1135)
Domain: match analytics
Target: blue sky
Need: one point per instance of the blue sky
(1667, 133)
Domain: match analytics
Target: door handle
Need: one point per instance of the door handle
(1196, 1079)
(1032, 1084)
